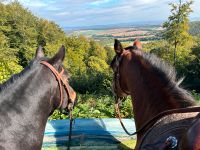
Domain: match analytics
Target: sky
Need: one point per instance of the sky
(80, 13)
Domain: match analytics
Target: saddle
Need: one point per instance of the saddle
(167, 132)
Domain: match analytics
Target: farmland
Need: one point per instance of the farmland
(124, 34)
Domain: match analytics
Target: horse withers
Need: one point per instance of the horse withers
(166, 116)
(28, 98)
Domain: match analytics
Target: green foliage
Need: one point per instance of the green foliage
(20, 34)
(77, 52)
(196, 96)
(110, 53)
(179, 48)
(97, 50)
(191, 70)
(87, 60)
(91, 106)
(87, 63)
(6, 71)
(177, 27)
(97, 65)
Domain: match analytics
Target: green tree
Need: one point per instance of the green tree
(110, 53)
(77, 51)
(97, 50)
(191, 70)
(177, 26)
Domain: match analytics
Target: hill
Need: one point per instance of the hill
(195, 28)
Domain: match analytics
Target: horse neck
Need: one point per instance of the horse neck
(149, 96)
(25, 105)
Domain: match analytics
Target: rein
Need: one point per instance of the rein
(70, 130)
(61, 83)
(151, 121)
(120, 119)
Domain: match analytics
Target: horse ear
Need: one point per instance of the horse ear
(118, 47)
(58, 58)
(39, 52)
(137, 44)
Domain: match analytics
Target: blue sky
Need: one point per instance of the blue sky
(76, 13)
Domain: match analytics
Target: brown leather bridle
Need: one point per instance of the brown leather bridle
(117, 88)
(63, 82)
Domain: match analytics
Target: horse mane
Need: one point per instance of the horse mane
(167, 75)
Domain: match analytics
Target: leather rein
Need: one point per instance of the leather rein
(151, 121)
(62, 83)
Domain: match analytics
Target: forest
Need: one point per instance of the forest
(88, 61)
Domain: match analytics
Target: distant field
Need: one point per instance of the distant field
(126, 35)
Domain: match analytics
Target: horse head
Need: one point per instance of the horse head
(29, 97)
(63, 96)
(119, 67)
(154, 90)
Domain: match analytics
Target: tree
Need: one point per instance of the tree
(110, 53)
(177, 26)
(192, 70)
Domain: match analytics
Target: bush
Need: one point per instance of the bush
(93, 106)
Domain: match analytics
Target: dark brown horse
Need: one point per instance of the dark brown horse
(156, 94)
(28, 98)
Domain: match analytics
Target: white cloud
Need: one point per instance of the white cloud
(78, 13)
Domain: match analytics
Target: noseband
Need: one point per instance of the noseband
(61, 82)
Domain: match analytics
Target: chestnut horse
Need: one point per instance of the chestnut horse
(156, 94)
(28, 98)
